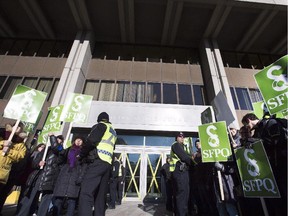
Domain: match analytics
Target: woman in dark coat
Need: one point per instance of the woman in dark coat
(68, 185)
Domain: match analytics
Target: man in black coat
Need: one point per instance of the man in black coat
(98, 153)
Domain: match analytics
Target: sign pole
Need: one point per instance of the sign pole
(264, 206)
(68, 134)
(12, 134)
(220, 185)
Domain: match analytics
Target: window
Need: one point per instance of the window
(53, 90)
(122, 91)
(159, 141)
(92, 87)
(30, 82)
(107, 89)
(243, 98)
(130, 140)
(255, 95)
(137, 92)
(9, 87)
(185, 94)
(46, 85)
(154, 93)
(169, 94)
(234, 98)
(198, 94)
(2, 80)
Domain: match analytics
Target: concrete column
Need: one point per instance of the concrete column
(214, 74)
(75, 71)
(76, 67)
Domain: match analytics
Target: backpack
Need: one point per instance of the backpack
(274, 131)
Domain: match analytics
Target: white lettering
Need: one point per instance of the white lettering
(277, 101)
(224, 152)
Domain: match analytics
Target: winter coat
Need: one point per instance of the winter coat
(45, 178)
(15, 153)
(68, 184)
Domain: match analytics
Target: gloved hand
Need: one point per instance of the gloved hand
(219, 166)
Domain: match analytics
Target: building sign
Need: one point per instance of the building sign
(143, 116)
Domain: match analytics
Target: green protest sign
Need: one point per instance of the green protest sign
(76, 108)
(42, 138)
(260, 108)
(53, 123)
(255, 172)
(214, 142)
(272, 82)
(207, 116)
(31, 127)
(25, 104)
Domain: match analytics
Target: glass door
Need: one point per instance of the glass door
(142, 165)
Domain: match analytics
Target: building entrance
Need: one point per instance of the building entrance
(142, 165)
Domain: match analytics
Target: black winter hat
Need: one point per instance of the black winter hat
(103, 116)
(61, 137)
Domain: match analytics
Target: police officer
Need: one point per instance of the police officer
(99, 148)
(181, 159)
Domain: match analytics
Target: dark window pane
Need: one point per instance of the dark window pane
(9, 87)
(2, 80)
(129, 140)
(234, 98)
(169, 94)
(54, 87)
(30, 82)
(244, 99)
(159, 141)
(198, 94)
(185, 94)
(255, 95)
(154, 93)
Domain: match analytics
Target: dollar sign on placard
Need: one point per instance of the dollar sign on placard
(252, 167)
(28, 99)
(213, 139)
(280, 81)
(54, 114)
(78, 103)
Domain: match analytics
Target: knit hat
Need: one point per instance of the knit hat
(61, 137)
(103, 117)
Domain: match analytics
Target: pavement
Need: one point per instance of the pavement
(127, 208)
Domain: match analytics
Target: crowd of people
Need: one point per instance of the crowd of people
(58, 181)
(192, 187)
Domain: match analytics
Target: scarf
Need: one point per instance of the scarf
(72, 155)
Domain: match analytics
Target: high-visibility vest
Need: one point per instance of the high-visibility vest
(175, 158)
(105, 147)
(120, 170)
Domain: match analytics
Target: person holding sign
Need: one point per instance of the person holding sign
(273, 132)
(67, 186)
(41, 180)
(11, 151)
(98, 153)
(181, 159)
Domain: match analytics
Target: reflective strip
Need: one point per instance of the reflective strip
(104, 152)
